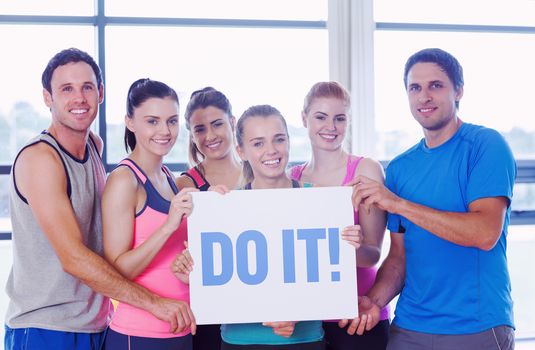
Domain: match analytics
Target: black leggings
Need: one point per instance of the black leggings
(337, 338)
(207, 337)
(317, 345)
(118, 341)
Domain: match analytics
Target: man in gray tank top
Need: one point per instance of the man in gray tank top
(59, 283)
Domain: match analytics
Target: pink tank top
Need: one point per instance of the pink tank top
(365, 275)
(157, 277)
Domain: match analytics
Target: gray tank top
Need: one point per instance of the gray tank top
(41, 294)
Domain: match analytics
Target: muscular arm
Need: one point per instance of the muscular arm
(480, 227)
(391, 275)
(388, 283)
(372, 222)
(47, 196)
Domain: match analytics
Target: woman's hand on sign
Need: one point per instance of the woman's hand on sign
(221, 189)
(284, 329)
(353, 235)
(183, 265)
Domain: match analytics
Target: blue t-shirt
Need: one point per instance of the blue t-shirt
(451, 289)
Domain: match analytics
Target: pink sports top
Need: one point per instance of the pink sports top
(197, 177)
(157, 276)
(365, 275)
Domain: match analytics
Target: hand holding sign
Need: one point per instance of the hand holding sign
(370, 314)
(253, 249)
(284, 329)
(352, 235)
(183, 265)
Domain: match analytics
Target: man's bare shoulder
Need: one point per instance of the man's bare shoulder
(38, 155)
(38, 163)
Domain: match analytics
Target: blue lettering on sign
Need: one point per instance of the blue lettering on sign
(242, 257)
(208, 240)
(288, 256)
(334, 251)
(310, 236)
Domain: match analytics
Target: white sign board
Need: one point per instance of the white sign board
(272, 255)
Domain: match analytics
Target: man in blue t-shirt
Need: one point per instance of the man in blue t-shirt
(449, 199)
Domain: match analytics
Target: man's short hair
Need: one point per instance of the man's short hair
(443, 59)
(64, 57)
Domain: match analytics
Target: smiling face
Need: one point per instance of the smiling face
(326, 121)
(265, 146)
(212, 132)
(74, 97)
(432, 96)
(155, 125)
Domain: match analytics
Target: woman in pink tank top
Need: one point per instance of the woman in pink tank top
(326, 116)
(144, 224)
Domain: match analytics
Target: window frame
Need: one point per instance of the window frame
(100, 22)
(526, 168)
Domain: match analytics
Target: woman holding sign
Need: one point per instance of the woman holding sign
(143, 220)
(211, 125)
(325, 114)
(263, 145)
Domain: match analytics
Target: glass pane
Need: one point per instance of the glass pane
(313, 10)
(6, 258)
(22, 110)
(5, 221)
(498, 85)
(520, 253)
(251, 66)
(523, 197)
(48, 7)
(488, 12)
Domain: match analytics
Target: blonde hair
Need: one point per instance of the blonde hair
(326, 89)
(263, 111)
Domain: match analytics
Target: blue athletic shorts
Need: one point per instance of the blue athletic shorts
(38, 339)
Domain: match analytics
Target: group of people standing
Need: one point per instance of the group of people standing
(79, 238)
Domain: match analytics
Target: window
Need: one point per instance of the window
(494, 52)
(23, 113)
(47, 8)
(299, 10)
(497, 80)
(272, 52)
(477, 12)
(269, 52)
(250, 65)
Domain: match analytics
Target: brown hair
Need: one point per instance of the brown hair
(140, 91)
(200, 99)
